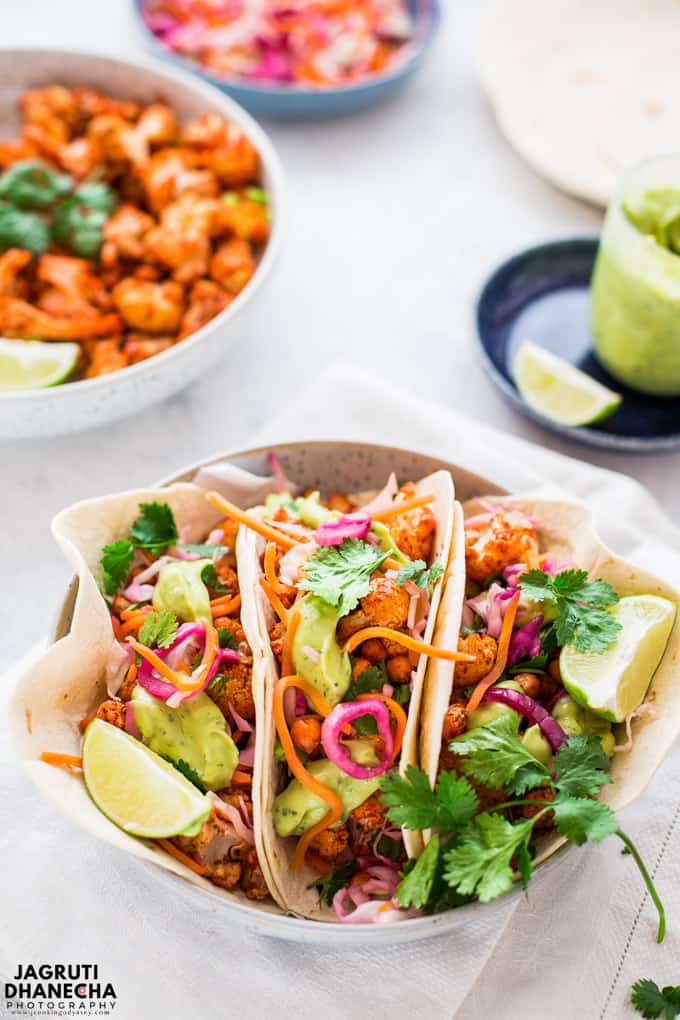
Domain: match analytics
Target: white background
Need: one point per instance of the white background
(396, 217)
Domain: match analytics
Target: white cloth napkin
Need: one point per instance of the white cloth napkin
(571, 948)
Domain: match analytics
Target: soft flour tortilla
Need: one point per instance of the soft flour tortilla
(566, 530)
(582, 88)
(257, 614)
(67, 683)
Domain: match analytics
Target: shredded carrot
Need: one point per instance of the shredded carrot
(287, 647)
(225, 606)
(261, 527)
(183, 858)
(127, 614)
(297, 768)
(62, 761)
(131, 674)
(408, 642)
(212, 644)
(501, 654)
(117, 630)
(399, 716)
(157, 663)
(276, 603)
(241, 778)
(270, 570)
(391, 564)
(402, 508)
(133, 623)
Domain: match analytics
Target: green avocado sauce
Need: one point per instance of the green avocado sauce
(180, 590)
(194, 733)
(332, 673)
(296, 809)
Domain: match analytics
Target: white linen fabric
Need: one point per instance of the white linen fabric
(574, 945)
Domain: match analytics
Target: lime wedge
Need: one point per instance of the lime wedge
(558, 390)
(135, 788)
(614, 683)
(32, 364)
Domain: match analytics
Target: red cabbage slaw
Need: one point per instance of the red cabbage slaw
(310, 43)
(189, 637)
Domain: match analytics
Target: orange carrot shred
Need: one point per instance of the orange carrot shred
(402, 508)
(287, 647)
(501, 654)
(296, 766)
(270, 570)
(62, 761)
(276, 603)
(225, 606)
(183, 858)
(261, 527)
(408, 642)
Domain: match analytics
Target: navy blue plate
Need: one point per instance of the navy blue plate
(543, 295)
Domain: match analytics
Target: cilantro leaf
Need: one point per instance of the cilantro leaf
(412, 803)
(524, 865)
(415, 887)
(155, 527)
(340, 574)
(496, 756)
(327, 885)
(158, 629)
(418, 572)
(652, 1001)
(187, 771)
(226, 639)
(581, 605)
(372, 679)
(211, 580)
(115, 563)
(402, 694)
(480, 861)
(580, 818)
(581, 767)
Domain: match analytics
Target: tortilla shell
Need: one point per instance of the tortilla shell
(67, 683)
(566, 530)
(300, 899)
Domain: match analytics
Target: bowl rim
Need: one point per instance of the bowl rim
(279, 924)
(271, 165)
(428, 20)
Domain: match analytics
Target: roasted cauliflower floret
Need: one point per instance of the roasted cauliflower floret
(331, 842)
(112, 712)
(233, 265)
(484, 649)
(413, 532)
(252, 880)
(365, 821)
(386, 605)
(206, 300)
(505, 540)
(150, 307)
(237, 690)
(455, 721)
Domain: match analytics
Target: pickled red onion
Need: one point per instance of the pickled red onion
(332, 729)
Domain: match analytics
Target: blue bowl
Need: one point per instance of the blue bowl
(285, 101)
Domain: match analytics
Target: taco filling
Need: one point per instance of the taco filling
(350, 592)
(179, 680)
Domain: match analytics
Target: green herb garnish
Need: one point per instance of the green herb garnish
(338, 877)
(580, 606)
(652, 1001)
(158, 629)
(340, 574)
(155, 527)
(115, 563)
(420, 574)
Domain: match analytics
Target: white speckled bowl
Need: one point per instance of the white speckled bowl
(91, 402)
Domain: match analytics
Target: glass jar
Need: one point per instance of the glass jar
(635, 289)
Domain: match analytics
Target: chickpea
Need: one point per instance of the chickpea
(399, 669)
(360, 666)
(530, 683)
(554, 669)
(528, 811)
(373, 650)
(306, 733)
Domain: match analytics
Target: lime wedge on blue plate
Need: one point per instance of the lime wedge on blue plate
(560, 391)
(33, 364)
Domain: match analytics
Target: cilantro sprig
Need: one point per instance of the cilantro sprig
(340, 574)
(421, 575)
(338, 877)
(477, 855)
(153, 529)
(158, 629)
(580, 608)
(652, 1001)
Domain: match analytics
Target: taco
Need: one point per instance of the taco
(342, 593)
(152, 704)
(571, 647)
